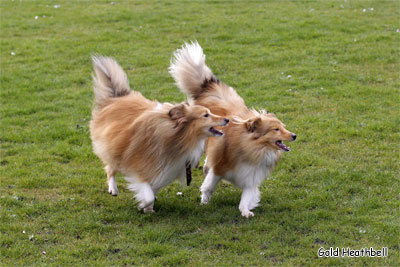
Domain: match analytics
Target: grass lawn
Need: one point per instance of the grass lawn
(328, 69)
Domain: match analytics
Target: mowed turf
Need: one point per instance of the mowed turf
(328, 69)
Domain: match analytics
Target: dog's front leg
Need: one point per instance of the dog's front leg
(149, 209)
(208, 186)
(144, 194)
(249, 200)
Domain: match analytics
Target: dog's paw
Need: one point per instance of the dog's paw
(247, 213)
(204, 199)
(112, 188)
(148, 210)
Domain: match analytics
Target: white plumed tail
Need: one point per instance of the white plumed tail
(109, 80)
(189, 69)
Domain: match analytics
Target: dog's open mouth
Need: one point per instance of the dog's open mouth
(215, 132)
(282, 145)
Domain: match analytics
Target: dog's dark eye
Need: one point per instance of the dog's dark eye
(277, 129)
(206, 115)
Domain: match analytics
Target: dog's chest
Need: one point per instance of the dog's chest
(249, 175)
(172, 171)
(195, 155)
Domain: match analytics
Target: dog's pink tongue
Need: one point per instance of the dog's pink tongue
(216, 132)
(282, 146)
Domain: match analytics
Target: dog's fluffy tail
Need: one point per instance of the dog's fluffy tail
(189, 69)
(109, 80)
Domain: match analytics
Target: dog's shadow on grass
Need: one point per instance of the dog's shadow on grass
(223, 208)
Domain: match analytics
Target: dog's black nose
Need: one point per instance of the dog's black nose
(294, 137)
(226, 121)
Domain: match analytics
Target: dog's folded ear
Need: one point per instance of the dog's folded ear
(253, 124)
(177, 112)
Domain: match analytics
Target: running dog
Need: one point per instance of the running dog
(253, 141)
(148, 142)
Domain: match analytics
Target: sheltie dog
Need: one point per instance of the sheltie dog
(147, 141)
(252, 143)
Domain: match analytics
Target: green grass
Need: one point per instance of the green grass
(338, 187)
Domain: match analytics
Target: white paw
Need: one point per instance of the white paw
(148, 210)
(204, 198)
(112, 187)
(143, 205)
(247, 213)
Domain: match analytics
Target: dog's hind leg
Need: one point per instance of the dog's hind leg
(208, 186)
(112, 183)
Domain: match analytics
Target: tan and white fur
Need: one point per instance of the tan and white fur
(147, 141)
(252, 143)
